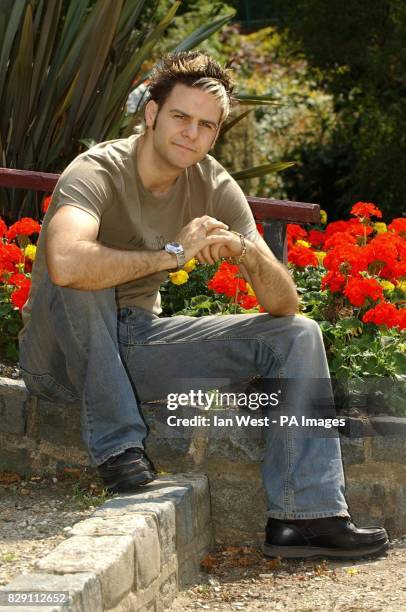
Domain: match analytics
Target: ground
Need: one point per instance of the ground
(239, 578)
(36, 515)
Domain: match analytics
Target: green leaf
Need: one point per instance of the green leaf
(126, 77)
(21, 80)
(252, 99)
(230, 124)
(202, 33)
(13, 23)
(262, 170)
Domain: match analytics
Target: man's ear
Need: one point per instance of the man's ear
(151, 112)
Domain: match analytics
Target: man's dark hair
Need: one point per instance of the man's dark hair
(193, 69)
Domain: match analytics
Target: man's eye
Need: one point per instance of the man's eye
(180, 116)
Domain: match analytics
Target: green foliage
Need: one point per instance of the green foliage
(363, 359)
(174, 297)
(67, 68)
(358, 55)
(366, 362)
(10, 326)
(194, 299)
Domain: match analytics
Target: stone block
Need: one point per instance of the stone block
(134, 602)
(389, 426)
(111, 558)
(59, 424)
(163, 510)
(238, 502)
(199, 485)
(352, 450)
(84, 591)
(13, 398)
(143, 531)
(400, 503)
(389, 448)
(367, 502)
(167, 593)
(16, 453)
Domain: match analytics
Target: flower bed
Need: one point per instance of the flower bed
(351, 277)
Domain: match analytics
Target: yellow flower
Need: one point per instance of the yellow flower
(402, 285)
(323, 216)
(179, 278)
(250, 290)
(303, 243)
(190, 265)
(387, 286)
(380, 227)
(320, 256)
(30, 251)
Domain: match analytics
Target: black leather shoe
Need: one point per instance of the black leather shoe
(126, 472)
(335, 537)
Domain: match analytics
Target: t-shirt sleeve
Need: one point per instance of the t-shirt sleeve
(84, 184)
(231, 207)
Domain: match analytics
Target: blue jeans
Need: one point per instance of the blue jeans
(78, 348)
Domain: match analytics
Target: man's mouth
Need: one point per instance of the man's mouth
(185, 147)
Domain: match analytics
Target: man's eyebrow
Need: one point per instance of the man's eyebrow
(178, 110)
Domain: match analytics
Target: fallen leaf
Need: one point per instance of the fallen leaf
(9, 477)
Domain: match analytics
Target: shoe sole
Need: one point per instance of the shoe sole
(132, 483)
(306, 552)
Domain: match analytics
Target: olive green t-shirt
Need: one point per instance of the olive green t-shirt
(104, 181)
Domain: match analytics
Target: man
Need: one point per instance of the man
(123, 215)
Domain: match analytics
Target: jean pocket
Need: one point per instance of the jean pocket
(47, 388)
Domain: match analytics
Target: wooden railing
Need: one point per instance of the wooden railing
(273, 214)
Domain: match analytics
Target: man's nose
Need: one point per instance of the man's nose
(191, 130)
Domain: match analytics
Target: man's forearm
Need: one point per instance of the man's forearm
(272, 283)
(91, 266)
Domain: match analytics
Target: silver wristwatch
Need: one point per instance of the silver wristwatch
(174, 248)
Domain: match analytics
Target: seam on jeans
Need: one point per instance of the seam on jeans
(118, 451)
(70, 319)
(220, 340)
(288, 489)
(307, 515)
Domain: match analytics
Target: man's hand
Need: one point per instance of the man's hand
(271, 281)
(213, 252)
(202, 236)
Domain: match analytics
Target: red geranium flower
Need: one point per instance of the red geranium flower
(3, 227)
(316, 237)
(358, 290)
(226, 280)
(365, 210)
(45, 203)
(10, 255)
(247, 301)
(384, 314)
(295, 232)
(20, 295)
(398, 225)
(338, 239)
(25, 226)
(260, 229)
(302, 256)
(347, 259)
(334, 281)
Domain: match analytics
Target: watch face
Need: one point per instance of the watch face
(174, 247)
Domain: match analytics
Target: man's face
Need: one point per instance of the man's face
(186, 126)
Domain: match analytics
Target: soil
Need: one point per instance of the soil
(240, 578)
(37, 514)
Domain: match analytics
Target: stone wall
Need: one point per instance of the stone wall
(38, 437)
(155, 542)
